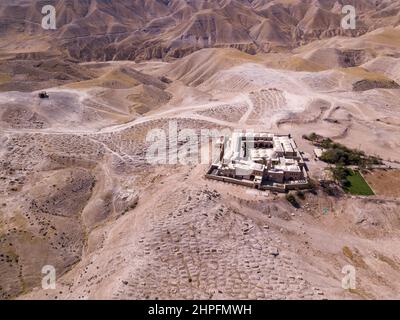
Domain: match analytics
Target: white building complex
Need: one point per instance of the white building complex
(260, 160)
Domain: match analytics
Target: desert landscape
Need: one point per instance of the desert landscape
(79, 193)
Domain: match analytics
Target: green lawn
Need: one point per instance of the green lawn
(358, 185)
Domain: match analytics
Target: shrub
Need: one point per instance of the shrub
(312, 137)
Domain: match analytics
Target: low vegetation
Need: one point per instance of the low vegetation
(313, 186)
(338, 154)
(5, 78)
(340, 174)
(331, 189)
(358, 185)
(292, 200)
(342, 157)
(351, 181)
(301, 195)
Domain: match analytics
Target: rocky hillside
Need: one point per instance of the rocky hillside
(145, 29)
